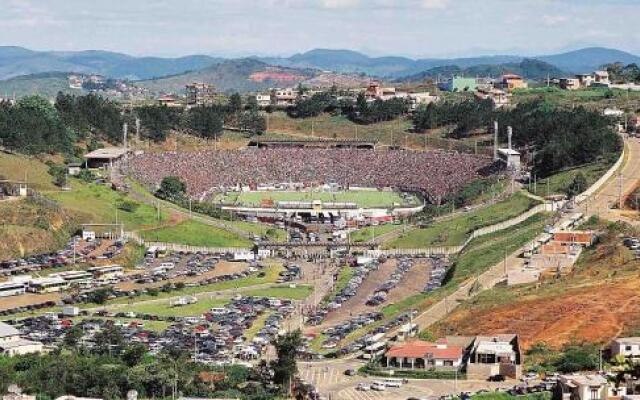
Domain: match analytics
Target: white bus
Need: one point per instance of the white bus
(12, 288)
(47, 285)
(374, 350)
(107, 272)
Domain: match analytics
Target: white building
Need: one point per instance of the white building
(586, 387)
(628, 347)
(12, 344)
(263, 100)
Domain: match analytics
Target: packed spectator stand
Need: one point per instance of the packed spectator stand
(434, 174)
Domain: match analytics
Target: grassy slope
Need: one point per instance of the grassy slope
(97, 203)
(558, 183)
(368, 233)
(15, 167)
(255, 228)
(454, 231)
(195, 233)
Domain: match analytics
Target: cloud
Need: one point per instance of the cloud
(336, 4)
(434, 4)
(554, 20)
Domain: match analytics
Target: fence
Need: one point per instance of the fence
(452, 250)
(603, 179)
(183, 247)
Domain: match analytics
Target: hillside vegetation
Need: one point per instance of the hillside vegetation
(32, 225)
(17, 167)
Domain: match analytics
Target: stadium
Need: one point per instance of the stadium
(315, 184)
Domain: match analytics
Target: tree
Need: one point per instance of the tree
(72, 336)
(578, 357)
(206, 121)
(578, 185)
(133, 354)
(285, 367)
(171, 187)
(235, 103)
(59, 174)
(98, 296)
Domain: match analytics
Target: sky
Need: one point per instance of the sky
(414, 28)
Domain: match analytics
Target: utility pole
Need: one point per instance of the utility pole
(621, 177)
(505, 261)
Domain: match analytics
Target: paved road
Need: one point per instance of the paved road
(609, 195)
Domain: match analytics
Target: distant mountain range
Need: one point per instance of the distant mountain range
(527, 68)
(17, 61)
(584, 60)
(24, 71)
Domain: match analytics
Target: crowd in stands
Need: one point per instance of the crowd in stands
(432, 173)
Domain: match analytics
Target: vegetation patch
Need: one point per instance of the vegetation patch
(454, 231)
(194, 233)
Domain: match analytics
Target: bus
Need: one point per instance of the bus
(374, 350)
(12, 288)
(47, 285)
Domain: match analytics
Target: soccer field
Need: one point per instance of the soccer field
(363, 198)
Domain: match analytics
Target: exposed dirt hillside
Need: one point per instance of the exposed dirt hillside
(598, 301)
(33, 226)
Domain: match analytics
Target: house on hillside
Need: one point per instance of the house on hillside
(628, 347)
(585, 387)
(495, 355)
(511, 82)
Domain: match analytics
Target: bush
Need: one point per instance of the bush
(127, 205)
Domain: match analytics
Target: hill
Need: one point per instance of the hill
(595, 302)
(240, 75)
(17, 61)
(46, 84)
(528, 68)
(347, 61)
(33, 225)
(589, 59)
(584, 60)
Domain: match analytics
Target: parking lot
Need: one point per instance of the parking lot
(330, 380)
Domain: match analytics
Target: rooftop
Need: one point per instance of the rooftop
(7, 330)
(422, 349)
(107, 152)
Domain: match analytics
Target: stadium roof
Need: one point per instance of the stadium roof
(106, 153)
(313, 142)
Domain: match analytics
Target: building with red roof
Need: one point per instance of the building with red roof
(426, 355)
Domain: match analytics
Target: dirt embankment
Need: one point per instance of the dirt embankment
(33, 226)
(593, 314)
(595, 303)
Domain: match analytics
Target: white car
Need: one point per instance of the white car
(378, 386)
(364, 387)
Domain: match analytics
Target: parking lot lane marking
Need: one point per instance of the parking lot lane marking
(348, 394)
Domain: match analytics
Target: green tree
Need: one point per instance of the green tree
(171, 187)
(235, 103)
(285, 367)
